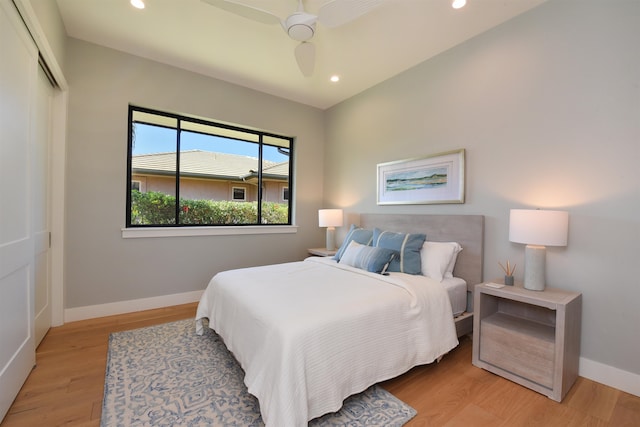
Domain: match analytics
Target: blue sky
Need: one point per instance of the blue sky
(154, 139)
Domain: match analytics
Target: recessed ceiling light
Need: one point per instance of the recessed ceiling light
(138, 4)
(335, 78)
(457, 4)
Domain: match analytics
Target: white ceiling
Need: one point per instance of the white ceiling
(196, 36)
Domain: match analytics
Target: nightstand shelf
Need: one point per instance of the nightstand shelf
(529, 337)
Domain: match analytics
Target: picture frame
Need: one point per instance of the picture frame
(434, 179)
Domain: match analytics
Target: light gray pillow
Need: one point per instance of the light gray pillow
(374, 260)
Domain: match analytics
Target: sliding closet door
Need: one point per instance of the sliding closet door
(41, 177)
(18, 81)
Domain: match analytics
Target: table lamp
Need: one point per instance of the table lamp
(330, 218)
(537, 229)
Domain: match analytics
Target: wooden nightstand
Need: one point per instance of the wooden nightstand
(529, 337)
(321, 252)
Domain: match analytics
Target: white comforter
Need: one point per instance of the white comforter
(309, 334)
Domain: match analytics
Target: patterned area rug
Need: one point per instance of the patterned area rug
(166, 375)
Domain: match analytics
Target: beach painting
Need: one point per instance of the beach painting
(416, 179)
(432, 179)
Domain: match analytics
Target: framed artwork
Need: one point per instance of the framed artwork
(427, 180)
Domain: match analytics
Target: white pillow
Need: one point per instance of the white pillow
(452, 264)
(438, 259)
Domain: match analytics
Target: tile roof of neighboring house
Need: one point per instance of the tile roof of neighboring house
(206, 164)
(281, 168)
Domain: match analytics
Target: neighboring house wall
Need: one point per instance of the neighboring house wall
(210, 175)
(275, 192)
(207, 189)
(547, 107)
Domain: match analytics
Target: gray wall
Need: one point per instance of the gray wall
(546, 105)
(53, 27)
(101, 266)
(548, 108)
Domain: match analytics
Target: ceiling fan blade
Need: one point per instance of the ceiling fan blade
(306, 57)
(245, 11)
(339, 12)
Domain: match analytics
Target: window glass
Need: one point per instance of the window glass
(239, 193)
(199, 172)
(154, 158)
(275, 173)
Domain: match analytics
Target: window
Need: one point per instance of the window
(285, 194)
(239, 193)
(189, 164)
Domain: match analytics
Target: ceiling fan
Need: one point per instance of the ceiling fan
(300, 25)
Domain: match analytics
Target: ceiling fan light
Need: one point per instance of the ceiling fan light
(301, 26)
(301, 32)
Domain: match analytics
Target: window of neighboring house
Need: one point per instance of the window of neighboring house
(239, 194)
(188, 164)
(285, 194)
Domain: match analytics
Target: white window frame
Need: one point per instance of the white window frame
(233, 193)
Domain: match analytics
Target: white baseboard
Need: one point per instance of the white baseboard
(608, 375)
(121, 307)
(595, 371)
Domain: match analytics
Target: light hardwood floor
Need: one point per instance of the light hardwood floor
(66, 386)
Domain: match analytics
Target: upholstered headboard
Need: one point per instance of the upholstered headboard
(468, 230)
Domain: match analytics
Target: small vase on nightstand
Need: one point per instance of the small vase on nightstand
(508, 272)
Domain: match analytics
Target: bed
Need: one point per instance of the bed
(309, 334)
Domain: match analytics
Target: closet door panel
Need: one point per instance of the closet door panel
(18, 73)
(41, 178)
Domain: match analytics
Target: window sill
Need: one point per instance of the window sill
(136, 233)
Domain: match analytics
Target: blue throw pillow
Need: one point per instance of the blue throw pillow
(408, 247)
(374, 260)
(356, 234)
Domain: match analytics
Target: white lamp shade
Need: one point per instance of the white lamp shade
(538, 227)
(330, 218)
